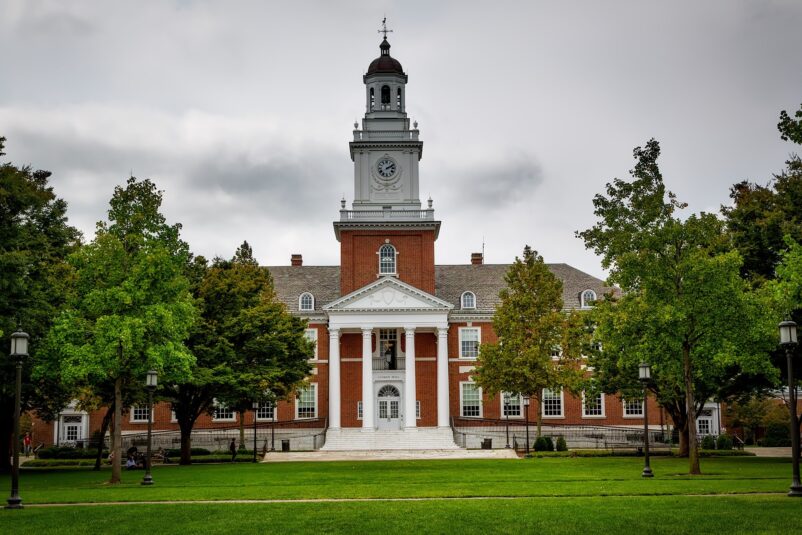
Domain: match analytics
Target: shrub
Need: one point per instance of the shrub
(724, 442)
(549, 444)
(561, 445)
(65, 452)
(776, 435)
(176, 452)
(708, 442)
(540, 444)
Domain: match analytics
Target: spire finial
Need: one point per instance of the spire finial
(384, 29)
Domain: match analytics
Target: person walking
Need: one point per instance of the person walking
(233, 449)
(26, 443)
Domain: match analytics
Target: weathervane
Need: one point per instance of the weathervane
(384, 29)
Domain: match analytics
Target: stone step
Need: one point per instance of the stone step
(413, 439)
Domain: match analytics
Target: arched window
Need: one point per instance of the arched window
(385, 94)
(398, 99)
(372, 100)
(468, 300)
(389, 391)
(588, 298)
(387, 260)
(306, 302)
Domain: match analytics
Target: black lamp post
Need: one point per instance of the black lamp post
(19, 351)
(255, 411)
(151, 381)
(788, 341)
(526, 423)
(645, 375)
(507, 419)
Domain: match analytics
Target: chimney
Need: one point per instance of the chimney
(477, 259)
(297, 260)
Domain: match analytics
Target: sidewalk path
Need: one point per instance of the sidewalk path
(387, 455)
(770, 452)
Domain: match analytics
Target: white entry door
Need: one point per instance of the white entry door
(388, 408)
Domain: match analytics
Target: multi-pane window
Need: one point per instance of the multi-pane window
(556, 353)
(593, 405)
(588, 298)
(633, 407)
(306, 302)
(387, 260)
(469, 342)
(417, 410)
(223, 412)
(358, 410)
(306, 404)
(311, 335)
(468, 300)
(552, 403)
(470, 399)
(72, 432)
(511, 405)
(266, 411)
(139, 414)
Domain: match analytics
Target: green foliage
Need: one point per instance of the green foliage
(530, 324)
(543, 444)
(195, 451)
(63, 452)
(791, 128)
(724, 442)
(708, 442)
(777, 434)
(35, 279)
(684, 309)
(130, 310)
(561, 444)
(247, 346)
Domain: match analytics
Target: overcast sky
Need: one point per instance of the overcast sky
(242, 111)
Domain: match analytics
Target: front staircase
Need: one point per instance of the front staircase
(421, 438)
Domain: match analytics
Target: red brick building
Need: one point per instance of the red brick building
(397, 335)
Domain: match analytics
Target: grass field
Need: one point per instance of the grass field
(566, 495)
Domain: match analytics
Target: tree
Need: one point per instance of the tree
(131, 310)
(35, 240)
(684, 309)
(750, 414)
(247, 346)
(530, 325)
(791, 129)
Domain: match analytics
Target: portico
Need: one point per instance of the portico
(389, 315)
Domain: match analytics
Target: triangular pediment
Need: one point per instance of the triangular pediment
(388, 293)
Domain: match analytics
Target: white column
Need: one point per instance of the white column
(334, 379)
(410, 390)
(367, 379)
(443, 413)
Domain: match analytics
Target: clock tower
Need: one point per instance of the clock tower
(386, 209)
(386, 150)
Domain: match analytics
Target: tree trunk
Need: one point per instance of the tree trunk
(104, 426)
(116, 463)
(186, 442)
(242, 430)
(693, 447)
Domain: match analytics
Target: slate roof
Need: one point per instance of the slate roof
(484, 280)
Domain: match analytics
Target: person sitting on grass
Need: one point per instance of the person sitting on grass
(130, 464)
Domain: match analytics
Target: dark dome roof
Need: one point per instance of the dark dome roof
(384, 64)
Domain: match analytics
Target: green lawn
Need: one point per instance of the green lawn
(566, 495)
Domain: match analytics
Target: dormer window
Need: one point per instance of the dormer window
(387, 260)
(468, 300)
(306, 302)
(588, 298)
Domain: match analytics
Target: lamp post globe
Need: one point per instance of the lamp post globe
(18, 353)
(788, 341)
(151, 382)
(645, 375)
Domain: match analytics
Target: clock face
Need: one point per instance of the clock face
(386, 167)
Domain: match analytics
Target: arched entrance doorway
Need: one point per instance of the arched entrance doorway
(388, 408)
